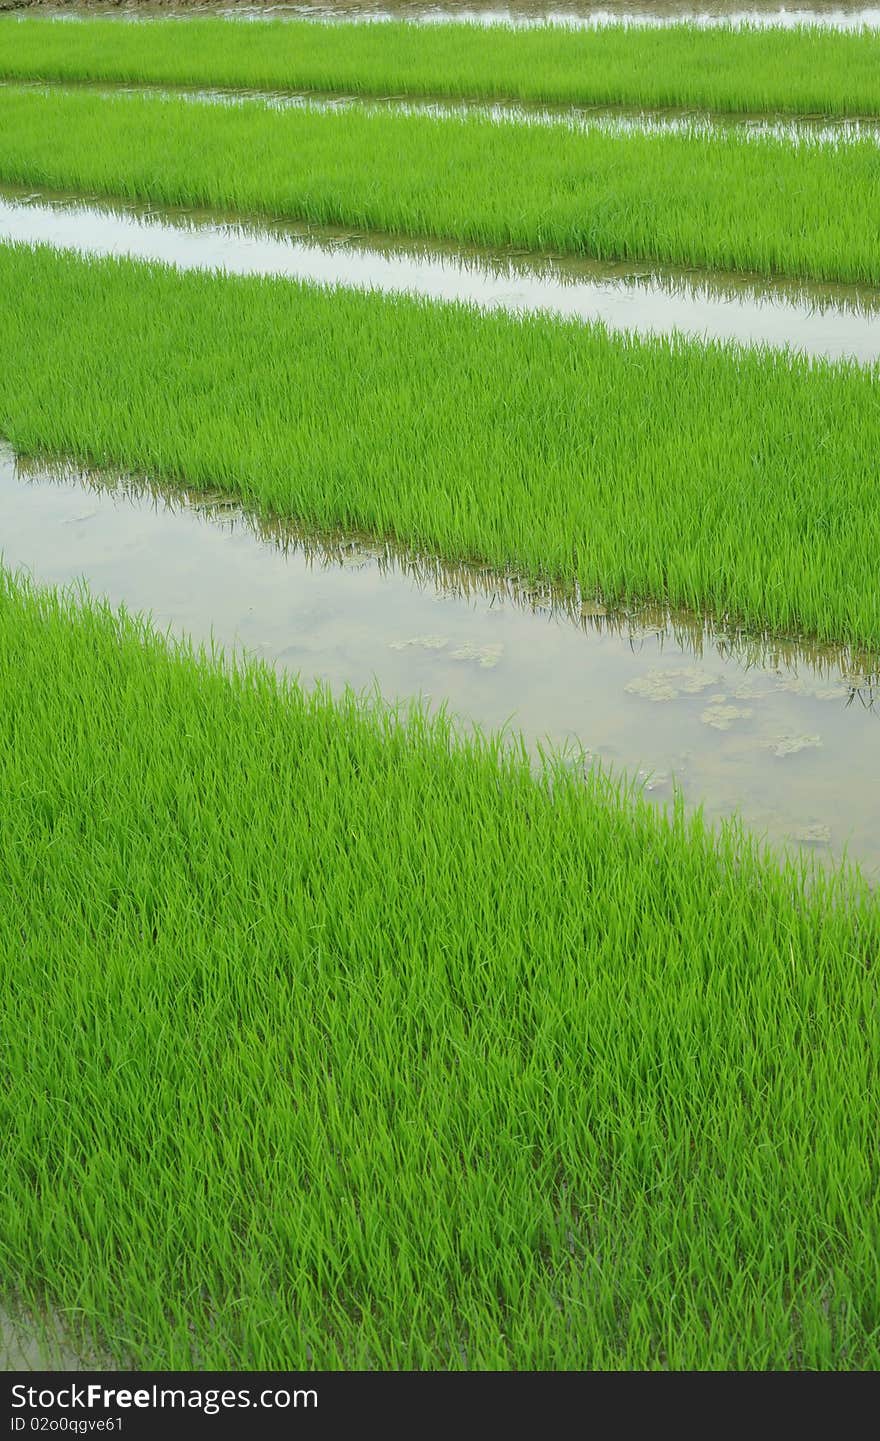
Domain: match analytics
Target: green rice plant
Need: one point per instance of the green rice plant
(803, 70)
(715, 477)
(331, 1040)
(722, 200)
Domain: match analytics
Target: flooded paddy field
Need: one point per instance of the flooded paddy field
(619, 119)
(726, 201)
(572, 13)
(278, 909)
(440, 688)
(555, 468)
(820, 320)
(29, 1343)
(797, 72)
(784, 733)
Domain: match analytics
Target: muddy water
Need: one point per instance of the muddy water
(489, 12)
(28, 1344)
(581, 13)
(788, 737)
(830, 321)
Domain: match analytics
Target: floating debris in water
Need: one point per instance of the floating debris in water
(721, 717)
(670, 684)
(80, 519)
(818, 690)
(812, 835)
(752, 689)
(652, 686)
(426, 642)
(653, 780)
(790, 745)
(486, 656)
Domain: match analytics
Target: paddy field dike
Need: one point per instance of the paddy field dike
(439, 923)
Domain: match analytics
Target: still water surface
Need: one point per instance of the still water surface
(579, 13)
(785, 734)
(830, 321)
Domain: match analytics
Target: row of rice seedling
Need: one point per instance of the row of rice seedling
(329, 1042)
(794, 71)
(723, 200)
(711, 476)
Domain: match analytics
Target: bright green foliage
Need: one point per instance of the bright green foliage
(334, 1039)
(722, 200)
(328, 1042)
(804, 70)
(715, 477)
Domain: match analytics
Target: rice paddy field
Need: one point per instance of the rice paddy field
(661, 469)
(340, 1033)
(728, 200)
(802, 71)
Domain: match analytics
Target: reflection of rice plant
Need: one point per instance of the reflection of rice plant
(746, 70)
(654, 468)
(726, 200)
(329, 1042)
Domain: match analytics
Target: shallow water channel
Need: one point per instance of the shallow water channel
(31, 1344)
(821, 320)
(614, 119)
(829, 13)
(784, 734)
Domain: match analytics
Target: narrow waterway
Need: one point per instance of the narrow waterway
(830, 321)
(784, 734)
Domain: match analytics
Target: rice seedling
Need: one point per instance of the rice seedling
(724, 200)
(802, 70)
(714, 477)
(330, 1040)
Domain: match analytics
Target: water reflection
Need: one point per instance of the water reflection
(780, 731)
(577, 13)
(827, 320)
